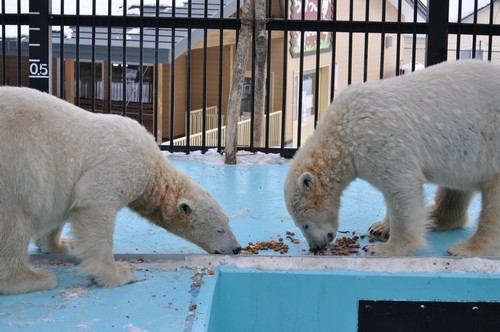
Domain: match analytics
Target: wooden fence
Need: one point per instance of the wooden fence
(212, 119)
(244, 129)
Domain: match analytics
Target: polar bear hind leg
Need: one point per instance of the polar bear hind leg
(486, 240)
(449, 210)
(54, 243)
(93, 228)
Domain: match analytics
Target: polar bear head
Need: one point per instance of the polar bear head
(176, 203)
(199, 219)
(315, 181)
(315, 214)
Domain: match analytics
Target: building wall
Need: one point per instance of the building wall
(12, 71)
(356, 66)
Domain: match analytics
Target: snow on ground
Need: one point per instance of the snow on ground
(212, 157)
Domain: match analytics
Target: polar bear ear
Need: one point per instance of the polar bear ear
(305, 181)
(183, 207)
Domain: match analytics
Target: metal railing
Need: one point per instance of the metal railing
(184, 51)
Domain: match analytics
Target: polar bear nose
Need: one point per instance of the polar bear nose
(330, 237)
(235, 251)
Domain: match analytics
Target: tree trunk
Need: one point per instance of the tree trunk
(235, 94)
(260, 71)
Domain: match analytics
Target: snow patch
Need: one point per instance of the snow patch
(212, 157)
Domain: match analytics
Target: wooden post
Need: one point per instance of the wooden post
(240, 64)
(159, 101)
(260, 71)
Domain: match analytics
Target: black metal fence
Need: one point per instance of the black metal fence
(165, 63)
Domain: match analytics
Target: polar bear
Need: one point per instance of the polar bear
(60, 163)
(439, 125)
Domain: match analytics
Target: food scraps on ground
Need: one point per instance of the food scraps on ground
(277, 246)
(343, 246)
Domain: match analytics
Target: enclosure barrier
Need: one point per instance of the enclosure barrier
(155, 61)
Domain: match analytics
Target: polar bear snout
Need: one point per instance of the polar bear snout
(318, 239)
(322, 244)
(235, 251)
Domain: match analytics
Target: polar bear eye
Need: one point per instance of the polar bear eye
(306, 226)
(221, 231)
(184, 208)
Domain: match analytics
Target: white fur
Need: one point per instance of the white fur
(438, 125)
(60, 163)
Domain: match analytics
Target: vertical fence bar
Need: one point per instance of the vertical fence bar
(124, 60)
(188, 79)
(141, 63)
(19, 46)
(459, 34)
(204, 88)
(382, 40)
(156, 74)
(252, 86)
(490, 33)
(367, 36)
(221, 72)
(268, 76)
(414, 35)
(437, 37)
(474, 34)
(93, 76)
(284, 110)
(4, 48)
(77, 55)
(398, 38)
(349, 47)
(109, 67)
(334, 47)
(172, 77)
(62, 92)
(317, 61)
(300, 78)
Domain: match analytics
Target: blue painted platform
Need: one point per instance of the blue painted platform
(180, 288)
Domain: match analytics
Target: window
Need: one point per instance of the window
(132, 84)
(467, 54)
(86, 82)
(308, 89)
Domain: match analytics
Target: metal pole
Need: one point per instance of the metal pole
(437, 37)
(40, 45)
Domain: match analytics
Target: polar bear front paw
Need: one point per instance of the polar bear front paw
(121, 274)
(386, 249)
(379, 231)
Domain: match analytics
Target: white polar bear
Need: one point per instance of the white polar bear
(59, 162)
(438, 125)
